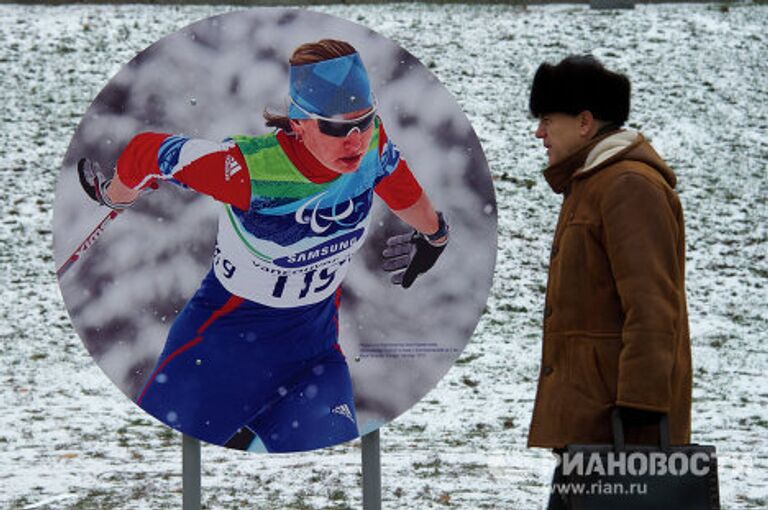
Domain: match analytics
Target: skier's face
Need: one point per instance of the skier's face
(341, 154)
(562, 135)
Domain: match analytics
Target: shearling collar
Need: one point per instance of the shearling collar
(608, 147)
(603, 151)
(560, 174)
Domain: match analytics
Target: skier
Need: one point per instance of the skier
(255, 351)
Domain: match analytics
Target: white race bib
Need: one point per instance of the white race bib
(282, 277)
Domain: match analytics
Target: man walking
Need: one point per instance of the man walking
(615, 331)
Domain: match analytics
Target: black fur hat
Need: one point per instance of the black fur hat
(580, 83)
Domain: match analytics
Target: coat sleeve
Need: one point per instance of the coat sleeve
(643, 237)
(215, 169)
(398, 187)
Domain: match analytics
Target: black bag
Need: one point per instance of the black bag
(653, 477)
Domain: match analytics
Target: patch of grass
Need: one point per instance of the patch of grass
(411, 429)
(64, 49)
(98, 499)
(718, 341)
(481, 430)
(472, 467)
(299, 502)
(428, 469)
(167, 435)
(757, 502)
(508, 307)
(337, 495)
(741, 319)
(465, 360)
(137, 422)
(339, 506)
(317, 476)
(140, 492)
(18, 504)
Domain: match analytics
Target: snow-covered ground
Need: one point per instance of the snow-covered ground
(70, 439)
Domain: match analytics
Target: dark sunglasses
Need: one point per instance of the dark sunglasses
(343, 128)
(340, 128)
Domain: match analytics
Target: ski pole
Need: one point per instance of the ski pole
(89, 241)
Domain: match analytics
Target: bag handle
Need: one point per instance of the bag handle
(618, 430)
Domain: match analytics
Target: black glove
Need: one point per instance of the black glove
(632, 417)
(413, 254)
(95, 184)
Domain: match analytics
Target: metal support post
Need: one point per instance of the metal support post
(190, 473)
(371, 471)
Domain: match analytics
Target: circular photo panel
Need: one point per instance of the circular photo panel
(275, 230)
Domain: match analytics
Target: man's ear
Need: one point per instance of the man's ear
(587, 124)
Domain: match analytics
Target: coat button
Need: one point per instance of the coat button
(547, 370)
(572, 215)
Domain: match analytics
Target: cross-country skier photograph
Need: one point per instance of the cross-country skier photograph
(257, 345)
(260, 354)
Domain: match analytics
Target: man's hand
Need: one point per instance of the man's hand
(410, 255)
(632, 417)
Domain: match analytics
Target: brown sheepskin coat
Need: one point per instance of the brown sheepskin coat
(615, 317)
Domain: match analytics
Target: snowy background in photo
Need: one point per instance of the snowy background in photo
(69, 438)
(212, 80)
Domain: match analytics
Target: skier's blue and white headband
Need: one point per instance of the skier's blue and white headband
(331, 87)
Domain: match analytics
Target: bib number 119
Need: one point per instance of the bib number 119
(315, 281)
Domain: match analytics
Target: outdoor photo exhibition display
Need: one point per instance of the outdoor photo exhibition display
(243, 297)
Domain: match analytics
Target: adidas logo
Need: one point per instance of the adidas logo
(231, 167)
(344, 411)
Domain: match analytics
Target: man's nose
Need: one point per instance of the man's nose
(540, 131)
